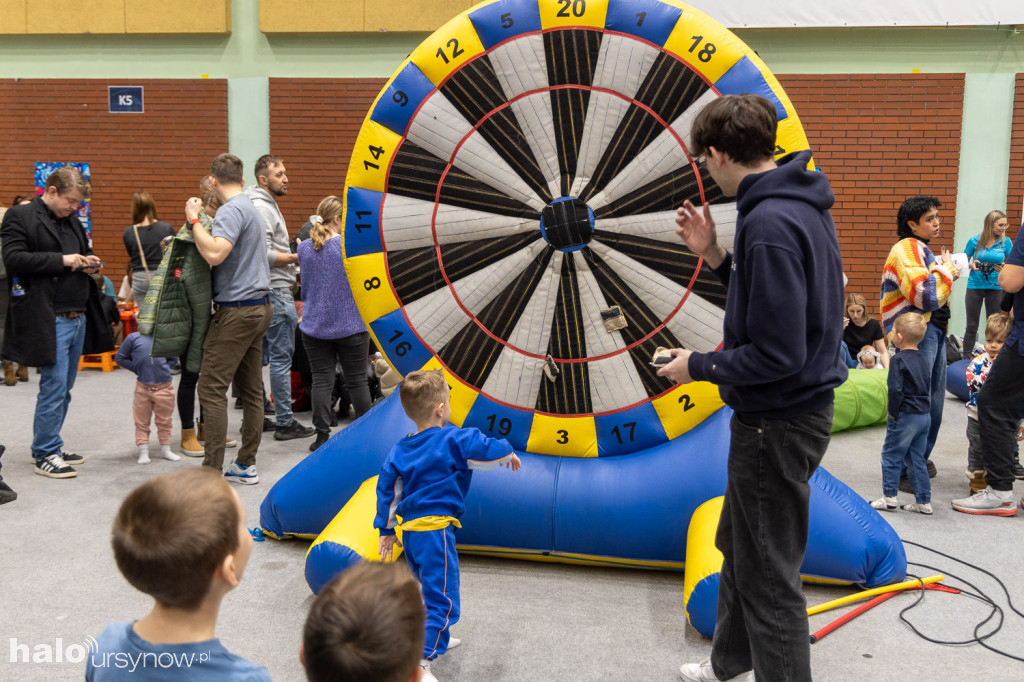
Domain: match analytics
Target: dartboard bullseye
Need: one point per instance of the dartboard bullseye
(509, 216)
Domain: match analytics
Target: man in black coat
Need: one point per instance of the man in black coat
(54, 312)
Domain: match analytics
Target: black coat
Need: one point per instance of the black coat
(32, 252)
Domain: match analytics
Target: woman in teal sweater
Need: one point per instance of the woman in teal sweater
(987, 252)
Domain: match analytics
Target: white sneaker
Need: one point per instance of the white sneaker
(987, 503)
(703, 672)
(919, 508)
(453, 642)
(237, 473)
(885, 504)
(427, 675)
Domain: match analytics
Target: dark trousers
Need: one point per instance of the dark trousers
(762, 534)
(187, 395)
(972, 302)
(233, 351)
(324, 355)
(1000, 406)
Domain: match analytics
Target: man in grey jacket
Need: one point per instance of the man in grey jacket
(279, 343)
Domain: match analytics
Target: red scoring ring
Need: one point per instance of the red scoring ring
(437, 247)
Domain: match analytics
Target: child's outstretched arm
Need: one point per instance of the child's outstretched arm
(387, 545)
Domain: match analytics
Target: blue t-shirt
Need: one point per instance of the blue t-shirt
(991, 256)
(121, 654)
(245, 273)
(1016, 257)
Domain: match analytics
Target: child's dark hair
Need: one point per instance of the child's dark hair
(367, 625)
(742, 126)
(912, 209)
(173, 531)
(998, 327)
(422, 391)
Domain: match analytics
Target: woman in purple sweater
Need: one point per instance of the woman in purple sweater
(331, 327)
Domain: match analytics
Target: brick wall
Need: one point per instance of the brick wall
(1015, 197)
(881, 138)
(313, 127)
(165, 150)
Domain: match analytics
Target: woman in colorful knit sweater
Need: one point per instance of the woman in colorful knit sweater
(914, 280)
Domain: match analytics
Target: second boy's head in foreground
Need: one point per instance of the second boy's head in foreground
(366, 625)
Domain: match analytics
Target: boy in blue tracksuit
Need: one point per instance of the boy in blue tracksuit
(424, 480)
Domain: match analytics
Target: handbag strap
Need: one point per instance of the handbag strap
(142, 254)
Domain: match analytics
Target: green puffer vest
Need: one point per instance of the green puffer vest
(178, 304)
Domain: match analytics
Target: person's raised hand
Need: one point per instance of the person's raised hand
(696, 228)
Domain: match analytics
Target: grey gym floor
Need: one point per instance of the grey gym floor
(521, 620)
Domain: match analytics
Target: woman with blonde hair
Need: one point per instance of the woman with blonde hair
(860, 329)
(987, 252)
(331, 328)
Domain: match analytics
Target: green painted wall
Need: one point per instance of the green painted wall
(989, 56)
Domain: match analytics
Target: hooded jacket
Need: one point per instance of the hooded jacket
(784, 309)
(177, 308)
(277, 236)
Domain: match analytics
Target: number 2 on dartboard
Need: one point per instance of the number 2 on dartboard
(579, 8)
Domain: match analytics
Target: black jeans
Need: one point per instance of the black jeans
(1000, 406)
(762, 613)
(187, 395)
(972, 302)
(353, 352)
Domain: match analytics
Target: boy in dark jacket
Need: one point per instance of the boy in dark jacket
(424, 480)
(906, 435)
(777, 368)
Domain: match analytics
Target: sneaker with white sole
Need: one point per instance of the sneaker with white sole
(703, 672)
(885, 504)
(427, 675)
(53, 466)
(71, 459)
(986, 503)
(917, 507)
(453, 642)
(237, 473)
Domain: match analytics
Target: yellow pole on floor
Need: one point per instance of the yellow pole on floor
(842, 601)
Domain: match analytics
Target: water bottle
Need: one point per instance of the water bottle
(16, 288)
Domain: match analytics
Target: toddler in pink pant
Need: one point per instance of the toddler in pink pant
(154, 394)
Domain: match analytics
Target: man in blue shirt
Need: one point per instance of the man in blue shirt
(1001, 403)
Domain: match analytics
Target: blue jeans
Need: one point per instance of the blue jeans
(905, 440)
(55, 384)
(844, 355)
(279, 346)
(933, 346)
(762, 534)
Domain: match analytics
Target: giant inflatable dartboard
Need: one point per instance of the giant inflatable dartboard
(510, 204)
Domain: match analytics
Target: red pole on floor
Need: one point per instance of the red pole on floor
(867, 606)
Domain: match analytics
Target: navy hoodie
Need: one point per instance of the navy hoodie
(780, 354)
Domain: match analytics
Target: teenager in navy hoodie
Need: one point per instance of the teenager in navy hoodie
(777, 369)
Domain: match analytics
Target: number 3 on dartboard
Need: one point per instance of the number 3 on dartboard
(579, 8)
(563, 436)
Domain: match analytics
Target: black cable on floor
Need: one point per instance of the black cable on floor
(980, 595)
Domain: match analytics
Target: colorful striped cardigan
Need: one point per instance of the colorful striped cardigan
(913, 281)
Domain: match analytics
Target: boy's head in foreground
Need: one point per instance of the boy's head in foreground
(997, 329)
(908, 330)
(367, 625)
(425, 398)
(181, 538)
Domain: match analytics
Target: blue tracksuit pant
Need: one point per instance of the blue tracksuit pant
(432, 558)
